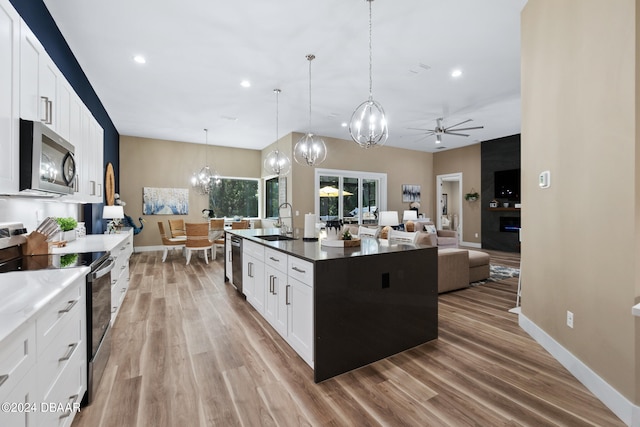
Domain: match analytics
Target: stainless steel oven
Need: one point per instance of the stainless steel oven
(236, 262)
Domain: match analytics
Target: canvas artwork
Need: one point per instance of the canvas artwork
(410, 193)
(165, 201)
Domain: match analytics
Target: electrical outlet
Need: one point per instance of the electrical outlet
(569, 319)
(476, 235)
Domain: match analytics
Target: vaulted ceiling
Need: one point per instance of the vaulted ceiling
(199, 51)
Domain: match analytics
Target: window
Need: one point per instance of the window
(352, 196)
(235, 197)
(271, 197)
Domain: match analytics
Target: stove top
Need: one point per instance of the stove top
(53, 261)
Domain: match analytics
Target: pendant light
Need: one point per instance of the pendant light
(276, 162)
(201, 181)
(310, 149)
(368, 125)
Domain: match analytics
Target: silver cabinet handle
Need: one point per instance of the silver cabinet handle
(72, 399)
(69, 306)
(286, 297)
(275, 278)
(114, 309)
(274, 259)
(298, 270)
(72, 348)
(48, 110)
(3, 379)
(250, 265)
(271, 283)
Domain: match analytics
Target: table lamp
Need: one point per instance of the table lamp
(115, 214)
(388, 218)
(410, 215)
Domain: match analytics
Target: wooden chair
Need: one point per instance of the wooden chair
(176, 226)
(240, 225)
(217, 224)
(168, 243)
(197, 239)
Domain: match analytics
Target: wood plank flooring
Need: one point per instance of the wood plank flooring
(189, 351)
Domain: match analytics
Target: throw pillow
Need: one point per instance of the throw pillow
(430, 228)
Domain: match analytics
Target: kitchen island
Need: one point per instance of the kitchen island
(342, 308)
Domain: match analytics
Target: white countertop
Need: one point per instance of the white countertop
(26, 292)
(635, 310)
(92, 243)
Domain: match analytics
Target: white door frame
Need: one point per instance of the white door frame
(450, 177)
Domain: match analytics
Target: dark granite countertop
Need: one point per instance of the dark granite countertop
(315, 251)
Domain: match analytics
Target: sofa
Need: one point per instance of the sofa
(433, 237)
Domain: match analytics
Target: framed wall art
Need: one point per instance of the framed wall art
(410, 193)
(165, 201)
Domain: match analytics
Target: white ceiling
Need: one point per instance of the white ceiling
(198, 52)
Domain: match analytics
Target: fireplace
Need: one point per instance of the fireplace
(509, 224)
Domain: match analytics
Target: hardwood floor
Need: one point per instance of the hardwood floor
(189, 351)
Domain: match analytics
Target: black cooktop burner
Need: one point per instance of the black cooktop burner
(53, 261)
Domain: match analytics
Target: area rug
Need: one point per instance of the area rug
(497, 273)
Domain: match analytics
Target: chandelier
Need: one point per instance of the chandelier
(276, 162)
(203, 180)
(310, 149)
(368, 125)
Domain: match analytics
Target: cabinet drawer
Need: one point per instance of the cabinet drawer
(63, 400)
(301, 270)
(275, 259)
(253, 249)
(54, 360)
(17, 356)
(55, 316)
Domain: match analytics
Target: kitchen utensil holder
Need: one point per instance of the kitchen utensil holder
(36, 244)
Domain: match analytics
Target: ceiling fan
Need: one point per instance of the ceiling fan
(449, 130)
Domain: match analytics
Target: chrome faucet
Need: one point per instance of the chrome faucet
(284, 229)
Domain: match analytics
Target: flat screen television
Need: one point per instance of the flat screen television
(507, 184)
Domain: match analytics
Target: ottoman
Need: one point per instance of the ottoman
(478, 266)
(453, 269)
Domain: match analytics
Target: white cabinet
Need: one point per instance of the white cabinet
(9, 97)
(300, 307)
(253, 274)
(120, 274)
(276, 286)
(45, 361)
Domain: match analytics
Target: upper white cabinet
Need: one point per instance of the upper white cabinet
(9, 97)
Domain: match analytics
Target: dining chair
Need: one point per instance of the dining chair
(168, 243)
(176, 226)
(368, 232)
(403, 236)
(240, 225)
(216, 230)
(197, 239)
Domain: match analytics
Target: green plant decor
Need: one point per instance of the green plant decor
(67, 260)
(346, 235)
(472, 197)
(67, 224)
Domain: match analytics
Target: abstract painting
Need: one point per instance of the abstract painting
(165, 201)
(410, 193)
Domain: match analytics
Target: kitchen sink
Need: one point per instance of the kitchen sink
(275, 237)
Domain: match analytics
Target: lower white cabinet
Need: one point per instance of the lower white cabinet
(120, 274)
(280, 287)
(43, 364)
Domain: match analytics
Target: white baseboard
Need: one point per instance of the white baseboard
(624, 409)
(471, 245)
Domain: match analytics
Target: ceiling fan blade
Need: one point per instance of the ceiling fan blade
(458, 124)
(420, 129)
(475, 127)
(454, 133)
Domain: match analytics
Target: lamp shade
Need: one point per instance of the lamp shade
(113, 212)
(388, 218)
(410, 215)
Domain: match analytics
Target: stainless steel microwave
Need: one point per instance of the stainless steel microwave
(47, 162)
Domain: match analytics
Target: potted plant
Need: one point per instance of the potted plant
(472, 197)
(68, 227)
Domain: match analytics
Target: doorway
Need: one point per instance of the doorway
(449, 203)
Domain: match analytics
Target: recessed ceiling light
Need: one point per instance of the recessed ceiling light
(456, 73)
(344, 124)
(140, 59)
(245, 83)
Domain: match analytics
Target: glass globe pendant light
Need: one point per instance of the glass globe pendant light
(310, 149)
(276, 162)
(201, 181)
(368, 125)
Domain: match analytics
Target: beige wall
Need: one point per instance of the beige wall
(159, 163)
(466, 160)
(401, 167)
(579, 115)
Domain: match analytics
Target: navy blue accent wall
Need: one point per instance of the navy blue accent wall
(38, 18)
